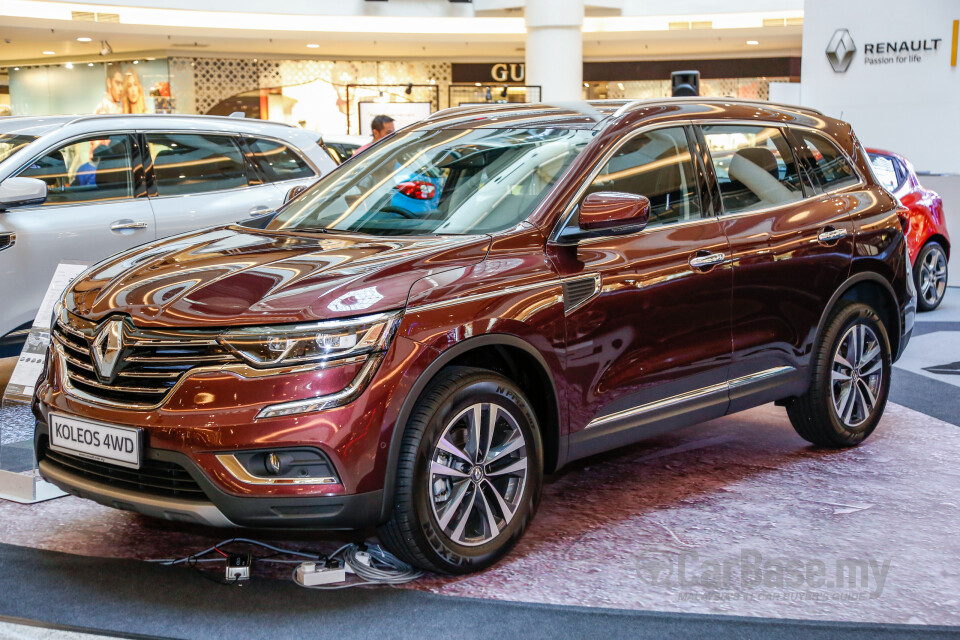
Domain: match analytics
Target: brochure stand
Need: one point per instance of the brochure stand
(19, 480)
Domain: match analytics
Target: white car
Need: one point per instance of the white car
(86, 187)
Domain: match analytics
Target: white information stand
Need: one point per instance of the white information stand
(17, 483)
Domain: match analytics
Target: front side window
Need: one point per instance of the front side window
(657, 165)
(754, 166)
(450, 182)
(827, 163)
(93, 169)
(185, 163)
(277, 161)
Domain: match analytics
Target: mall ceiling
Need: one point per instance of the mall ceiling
(24, 41)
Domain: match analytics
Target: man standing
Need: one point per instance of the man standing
(382, 126)
(113, 100)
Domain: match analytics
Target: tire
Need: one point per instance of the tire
(448, 517)
(930, 276)
(825, 415)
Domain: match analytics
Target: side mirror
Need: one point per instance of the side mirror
(611, 209)
(607, 213)
(22, 192)
(294, 192)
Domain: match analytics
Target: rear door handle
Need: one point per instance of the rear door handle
(829, 235)
(705, 260)
(123, 225)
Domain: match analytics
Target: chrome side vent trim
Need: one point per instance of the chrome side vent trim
(7, 240)
(579, 290)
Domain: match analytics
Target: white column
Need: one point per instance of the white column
(555, 48)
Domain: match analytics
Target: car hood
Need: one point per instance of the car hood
(233, 275)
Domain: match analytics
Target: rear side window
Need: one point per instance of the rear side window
(827, 163)
(186, 163)
(755, 167)
(89, 170)
(657, 165)
(277, 161)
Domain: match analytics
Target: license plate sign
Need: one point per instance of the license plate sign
(96, 441)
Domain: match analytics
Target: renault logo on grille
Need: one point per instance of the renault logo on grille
(840, 50)
(107, 347)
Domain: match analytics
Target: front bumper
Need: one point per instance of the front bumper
(218, 509)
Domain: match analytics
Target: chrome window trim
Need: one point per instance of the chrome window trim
(237, 470)
(688, 396)
(294, 149)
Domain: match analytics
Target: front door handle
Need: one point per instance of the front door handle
(124, 225)
(704, 260)
(830, 235)
(256, 212)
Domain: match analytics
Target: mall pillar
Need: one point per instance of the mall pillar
(555, 48)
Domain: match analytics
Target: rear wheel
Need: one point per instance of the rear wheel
(469, 473)
(930, 276)
(850, 380)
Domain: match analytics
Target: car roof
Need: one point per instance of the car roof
(40, 125)
(593, 114)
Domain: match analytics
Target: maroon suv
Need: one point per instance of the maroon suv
(474, 302)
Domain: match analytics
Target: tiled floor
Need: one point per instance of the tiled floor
(653, 527)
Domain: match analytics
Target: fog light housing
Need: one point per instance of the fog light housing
(280, 466)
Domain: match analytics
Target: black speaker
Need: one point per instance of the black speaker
(685, 83)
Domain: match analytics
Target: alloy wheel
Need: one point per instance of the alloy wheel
(857, 375)
(478, 471)
(933, 276)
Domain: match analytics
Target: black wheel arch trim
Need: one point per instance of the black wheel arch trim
(849, 283)
(445, 358)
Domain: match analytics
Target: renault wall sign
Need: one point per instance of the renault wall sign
(840, 50)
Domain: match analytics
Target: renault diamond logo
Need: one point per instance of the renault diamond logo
(107, 347)
(840, 50)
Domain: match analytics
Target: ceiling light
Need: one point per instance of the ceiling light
(69, 65)
(753, 43)
(620, 86)
(105, 48)
(16, 68)
(84, 39)
(136, 62)
(313, 46)
(49, 53)
(89, 64)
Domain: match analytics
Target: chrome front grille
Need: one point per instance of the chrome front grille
(151, 362)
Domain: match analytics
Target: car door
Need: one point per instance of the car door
(199, 180)
(279, 165)
(647, 314)
(95, 207)
(791, 251)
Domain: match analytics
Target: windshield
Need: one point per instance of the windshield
(10, 144)
(456, 182)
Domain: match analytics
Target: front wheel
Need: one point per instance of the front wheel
(930, 276)
(850, 380)
(469, 473)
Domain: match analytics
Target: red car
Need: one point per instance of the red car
(927, 236)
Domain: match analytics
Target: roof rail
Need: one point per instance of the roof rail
(108, 116)
(636, 104)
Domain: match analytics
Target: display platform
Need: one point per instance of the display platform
(737, 516)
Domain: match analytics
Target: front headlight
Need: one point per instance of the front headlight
(285, 345)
